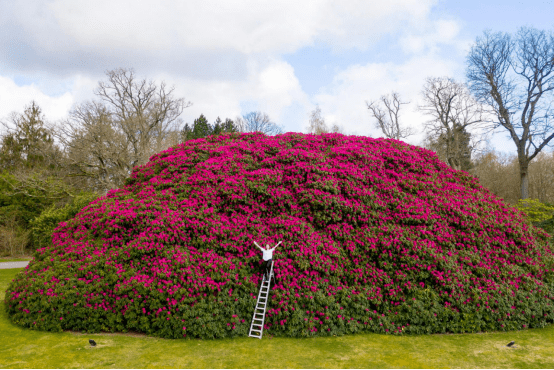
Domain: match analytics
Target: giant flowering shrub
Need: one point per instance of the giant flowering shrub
(377, 236)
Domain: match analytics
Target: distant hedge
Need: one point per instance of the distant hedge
(43, 226)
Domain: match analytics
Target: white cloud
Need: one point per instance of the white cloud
(218, 52)
(430, 37)
(272, 84)
(248, 26)
(221, 54)
(15, 98)
(345, 100)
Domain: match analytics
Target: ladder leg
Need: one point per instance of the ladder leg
(261, 305)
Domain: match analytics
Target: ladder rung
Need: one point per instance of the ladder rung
(261, 304)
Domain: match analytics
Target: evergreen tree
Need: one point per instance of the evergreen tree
(220, 127)
(29, 144)
(217, 127)
(229, 126)
(31, 176)
(201, 128)
(460, 153)
(186, 133)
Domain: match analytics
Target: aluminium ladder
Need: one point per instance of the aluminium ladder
(261, 306)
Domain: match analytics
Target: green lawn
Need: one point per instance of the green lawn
(32, 349)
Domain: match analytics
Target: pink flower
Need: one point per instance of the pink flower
(364, 223)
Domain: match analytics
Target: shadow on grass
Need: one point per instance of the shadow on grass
(34, 349)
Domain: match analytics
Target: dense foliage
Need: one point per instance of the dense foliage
(377, 235)
(536, 211)
(43, 226)
(30, 178)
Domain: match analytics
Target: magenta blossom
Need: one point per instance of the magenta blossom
(377, 236)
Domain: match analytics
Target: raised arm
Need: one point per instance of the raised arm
(259, 246)
(276, 245)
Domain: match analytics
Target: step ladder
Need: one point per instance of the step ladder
(257, 326)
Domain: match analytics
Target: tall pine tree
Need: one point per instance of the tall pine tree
(30, 144)
(201, 128)
(456, 152)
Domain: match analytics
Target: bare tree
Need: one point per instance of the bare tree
(317, 122)
(541, 176)
(531, 57)
(452, 110)
(499, 172)
(388, 121)
(257, 121)
(318, 126)
(96, 151)
(105, 141)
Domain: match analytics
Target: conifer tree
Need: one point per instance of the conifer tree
(462, 155)
(30, 143)
(201, 128)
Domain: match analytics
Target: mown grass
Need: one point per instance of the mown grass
(24, 348)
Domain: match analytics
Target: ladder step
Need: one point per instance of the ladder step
(261, 305)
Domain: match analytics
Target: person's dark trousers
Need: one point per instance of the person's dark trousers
(266, 267)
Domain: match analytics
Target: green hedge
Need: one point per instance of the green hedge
(43, 226)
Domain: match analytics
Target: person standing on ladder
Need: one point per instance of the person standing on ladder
(268, 257)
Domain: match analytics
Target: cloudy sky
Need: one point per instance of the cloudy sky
(228, 58)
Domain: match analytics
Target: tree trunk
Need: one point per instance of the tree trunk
(524, 178)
